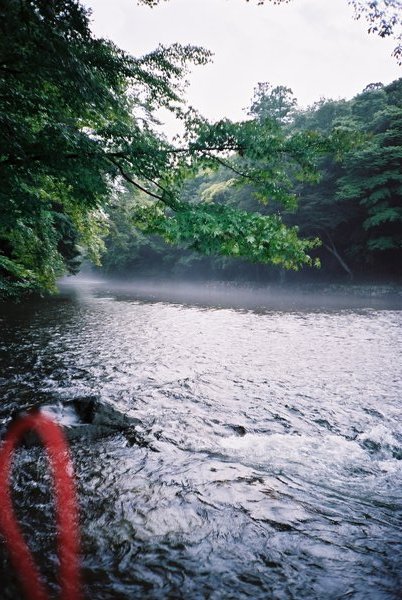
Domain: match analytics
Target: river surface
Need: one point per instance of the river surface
(268, 459)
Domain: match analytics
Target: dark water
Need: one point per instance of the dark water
(271, 464)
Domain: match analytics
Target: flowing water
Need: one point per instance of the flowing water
(267, 462)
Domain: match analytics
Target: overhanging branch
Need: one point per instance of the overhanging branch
(134, 183)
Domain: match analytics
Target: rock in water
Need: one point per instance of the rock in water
(89, 418)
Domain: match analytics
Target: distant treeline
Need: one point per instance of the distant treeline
(354, 207)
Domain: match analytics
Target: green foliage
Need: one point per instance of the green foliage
(346, 189)
(373, 179)
(355, 207)
(219, 229)
(78, 120)
(274, 103)
(72, 107)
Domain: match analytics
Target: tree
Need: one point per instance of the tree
(70, 104)
(273, 103)
(77, 118)
(356, 206)
(374, 181)
(127, 248)
(384, 18)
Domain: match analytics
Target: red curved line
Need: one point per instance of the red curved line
(56, 447)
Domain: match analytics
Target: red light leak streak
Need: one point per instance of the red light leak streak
(56, 446)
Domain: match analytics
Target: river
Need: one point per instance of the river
(267, 462)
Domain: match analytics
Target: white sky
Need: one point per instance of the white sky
(312, 46)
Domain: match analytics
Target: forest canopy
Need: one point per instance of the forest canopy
(355, 206)
(79, 128)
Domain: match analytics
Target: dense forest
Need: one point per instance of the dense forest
(86, 174)
(353, 204)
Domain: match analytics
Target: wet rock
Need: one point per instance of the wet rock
(86, 418)
(239, 429)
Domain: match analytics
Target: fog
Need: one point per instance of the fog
(239, 295)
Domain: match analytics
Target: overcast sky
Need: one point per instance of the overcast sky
(312, 46)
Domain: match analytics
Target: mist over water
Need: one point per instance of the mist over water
(264, 459)
(268, 296)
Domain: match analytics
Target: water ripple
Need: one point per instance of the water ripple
(271, 458)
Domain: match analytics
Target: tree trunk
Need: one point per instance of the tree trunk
(331, 248)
